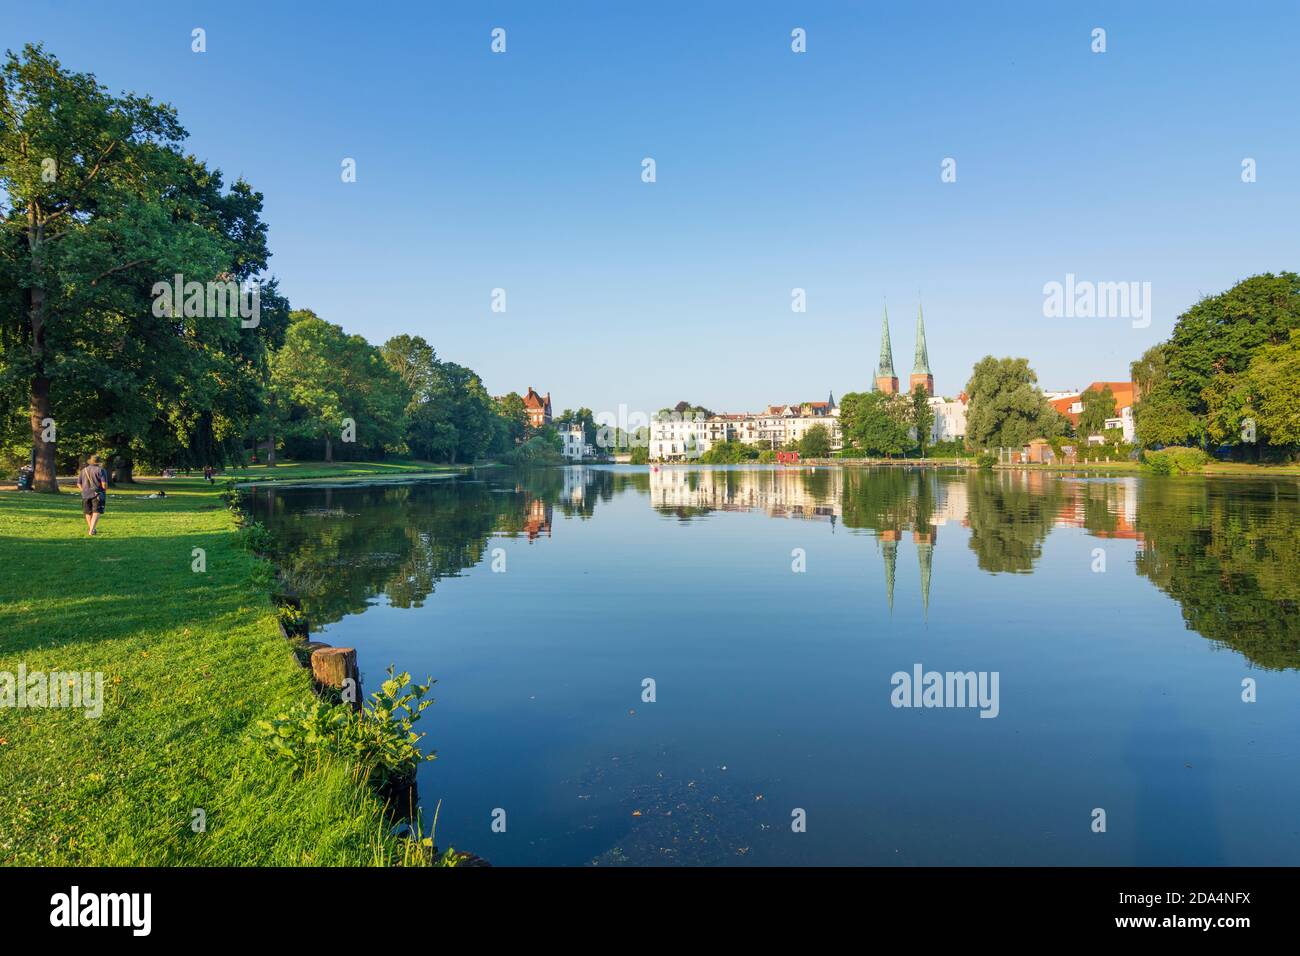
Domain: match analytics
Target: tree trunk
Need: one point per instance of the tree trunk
(44, 479)
(329, 449)
(270, 438)
(43, 452)
(122, 472)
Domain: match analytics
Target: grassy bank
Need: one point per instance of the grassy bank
(1125, 467)
(190, 662)
(300, 470)
(1246, 469)
(1217, 469)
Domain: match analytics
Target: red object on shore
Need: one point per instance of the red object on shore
(787, 458)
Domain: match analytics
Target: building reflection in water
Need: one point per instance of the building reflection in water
(1008, 513)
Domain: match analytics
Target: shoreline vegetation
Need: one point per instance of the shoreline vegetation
(193, 661)
(1210, 469)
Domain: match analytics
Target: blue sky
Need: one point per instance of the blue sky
(775, 170)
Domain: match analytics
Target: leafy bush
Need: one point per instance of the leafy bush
(231, 495)
(1176, 460)
(261, 576)
(947, 449)
(986, 460)
(380, 738)
(293, 619)
(1117, 451)
(256, 537)
(730, 453)
(536, 451)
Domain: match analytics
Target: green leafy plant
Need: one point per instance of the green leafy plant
(231, 495)
(1176, 460)
(261, 576)
(380, 738)
(986, 460)
(293, 619)
(256, 537)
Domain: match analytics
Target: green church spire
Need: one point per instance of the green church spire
(925, 555)
(886, 367)
(889, 549)
(922, 366)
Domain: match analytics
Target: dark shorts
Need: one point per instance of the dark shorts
(93, 505)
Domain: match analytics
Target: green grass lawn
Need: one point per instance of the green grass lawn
(1249, 470)
(190, 662)
(299, 470)
(1216, 469)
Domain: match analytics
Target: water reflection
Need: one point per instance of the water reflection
(1229, 553)
(1227, 550)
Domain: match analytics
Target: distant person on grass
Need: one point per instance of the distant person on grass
(93, 482)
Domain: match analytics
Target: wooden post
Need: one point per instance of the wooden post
(337, 667)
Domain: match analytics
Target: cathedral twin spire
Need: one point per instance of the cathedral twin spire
(886, 379)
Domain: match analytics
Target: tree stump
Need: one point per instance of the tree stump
(336, 667)
(303, 650)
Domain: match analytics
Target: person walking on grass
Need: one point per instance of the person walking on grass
(93, 483)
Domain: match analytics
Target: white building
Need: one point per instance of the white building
(575, 446)
(1123, 421)
(681, 438)
(949, 418)
(686, 438)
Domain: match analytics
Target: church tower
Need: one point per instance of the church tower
(921, 374)
(886, 380)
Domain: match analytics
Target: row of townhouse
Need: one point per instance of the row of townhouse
(689, 437)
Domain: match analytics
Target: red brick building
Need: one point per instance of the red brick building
(538, 408)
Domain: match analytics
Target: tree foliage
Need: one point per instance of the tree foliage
(1098, 405)
(1204, 385)
(1006, 408)
(875, 423)
(922, 417)
(815, 443)
(98, 204)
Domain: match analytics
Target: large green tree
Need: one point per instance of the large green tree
(338, 387)
(875, 423)
(471, 411)
(1274, 377)
(1098, 406)
(1006, 408)
(815, 443)
(429, 432)
(98, 204)
(922, 417)
(512, 418)
(1200, 380)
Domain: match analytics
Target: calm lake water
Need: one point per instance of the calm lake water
(1120, 615)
